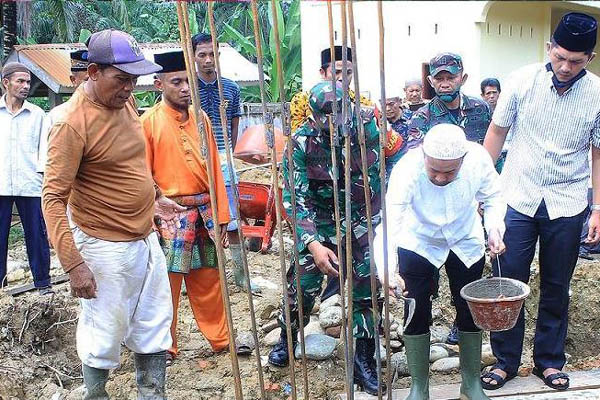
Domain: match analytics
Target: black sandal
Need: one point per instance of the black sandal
(500, 381)
(552, 377)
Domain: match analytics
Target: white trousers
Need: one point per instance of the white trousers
(133, 304)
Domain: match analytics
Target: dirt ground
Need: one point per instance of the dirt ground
(38, 359)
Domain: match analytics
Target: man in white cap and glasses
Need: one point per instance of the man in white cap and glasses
(432, 220)
(98, 201)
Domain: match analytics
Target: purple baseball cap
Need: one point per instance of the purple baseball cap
(119, 50)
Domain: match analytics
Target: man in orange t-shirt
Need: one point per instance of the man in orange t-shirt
(180, 170)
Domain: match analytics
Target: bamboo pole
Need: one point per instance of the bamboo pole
(184, 32)
(232, 179)
(269, 138)
(291, 183)
(382, 172)
(346, 118)
(335, 142)
(367, 191)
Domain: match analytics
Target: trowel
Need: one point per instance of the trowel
(412, 303)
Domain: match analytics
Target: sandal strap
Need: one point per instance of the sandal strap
(492, 375)
(557, 375)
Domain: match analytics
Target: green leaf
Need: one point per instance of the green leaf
(84, 35)
(193, 22)
(246, 45)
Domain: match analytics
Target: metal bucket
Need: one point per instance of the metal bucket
(495, 303)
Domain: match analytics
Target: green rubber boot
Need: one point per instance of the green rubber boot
(94, 380)
(150, 375)
(238, 269)
(470, 366)
(417, 355)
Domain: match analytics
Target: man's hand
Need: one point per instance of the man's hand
(593, 236)
(82, 282)
(496, 244)
(323, 258)
(396, 285)
(169, 212)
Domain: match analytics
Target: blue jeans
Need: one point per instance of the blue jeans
(559, 246)
(232, 226)
(36, 239)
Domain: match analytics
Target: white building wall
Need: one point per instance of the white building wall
(434, 27)
(494, 38)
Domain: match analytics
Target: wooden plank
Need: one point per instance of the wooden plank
(584, 394)
(29, 287)
(581, 381)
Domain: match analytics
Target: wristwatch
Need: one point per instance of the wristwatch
(595, 207)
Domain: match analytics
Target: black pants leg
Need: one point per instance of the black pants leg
(6, 203)
(419, 276)
(559, 248)
(459, 276)
(36, 239)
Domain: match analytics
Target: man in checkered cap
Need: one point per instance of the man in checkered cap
(99, 201)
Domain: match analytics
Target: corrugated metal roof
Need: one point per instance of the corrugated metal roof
(51, 63)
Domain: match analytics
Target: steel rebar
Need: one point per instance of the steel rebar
(383, 177)
(232, 179)
(184, 31)
(270, 140)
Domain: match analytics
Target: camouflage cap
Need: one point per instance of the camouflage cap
(450, 62)
(322, 96)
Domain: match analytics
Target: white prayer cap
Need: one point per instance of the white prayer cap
(445, 142)
(413, 81)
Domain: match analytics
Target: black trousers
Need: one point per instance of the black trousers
(420, 278)
(559, 248)
(36, 240)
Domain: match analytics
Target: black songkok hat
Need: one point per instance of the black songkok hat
(576, 32)
(326, 54)
(79, 61)
(172, 61)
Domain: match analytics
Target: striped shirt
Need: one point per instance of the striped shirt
(209, 98)
(551, 137)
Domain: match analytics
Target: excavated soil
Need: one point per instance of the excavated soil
(38, 359)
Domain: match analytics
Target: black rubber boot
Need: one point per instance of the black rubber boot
(94, 380)
(365, 370)
(279, 355)
(150, 373)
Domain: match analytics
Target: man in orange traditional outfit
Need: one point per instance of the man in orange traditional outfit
(180, 170)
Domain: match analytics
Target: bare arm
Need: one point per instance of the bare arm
(594, 223)
(235, 123)
(494, 140)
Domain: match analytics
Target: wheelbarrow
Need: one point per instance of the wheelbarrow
(258, 214)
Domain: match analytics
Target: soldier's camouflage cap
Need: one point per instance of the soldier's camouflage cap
(322, 96)
(450, 62)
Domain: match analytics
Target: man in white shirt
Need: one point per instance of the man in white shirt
(432, 216)
(553, 114)
(20, 181)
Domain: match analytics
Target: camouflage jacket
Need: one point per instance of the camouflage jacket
(474, 117)
(313, 181)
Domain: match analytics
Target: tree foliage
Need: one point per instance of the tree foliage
(64, 21)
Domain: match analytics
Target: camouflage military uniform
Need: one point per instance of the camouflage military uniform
(313, 181)
(473, 116)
